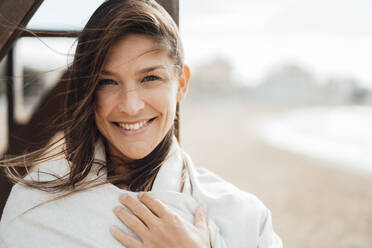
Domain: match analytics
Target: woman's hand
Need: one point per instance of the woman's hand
(157, 226)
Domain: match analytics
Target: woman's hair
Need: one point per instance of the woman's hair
(113, 20)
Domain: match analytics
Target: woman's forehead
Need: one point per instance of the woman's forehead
(156, 59)
(136, 50)
(140, 70)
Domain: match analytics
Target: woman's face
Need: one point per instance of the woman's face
(136, 96)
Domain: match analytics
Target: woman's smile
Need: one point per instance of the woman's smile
(134, 127)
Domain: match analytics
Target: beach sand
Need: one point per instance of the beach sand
(314, 203)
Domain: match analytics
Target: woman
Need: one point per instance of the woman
(119, 152)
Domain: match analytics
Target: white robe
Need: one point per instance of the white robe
(235, 218)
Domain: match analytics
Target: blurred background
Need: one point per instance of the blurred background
(280, 104)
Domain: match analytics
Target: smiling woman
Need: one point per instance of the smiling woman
(121, 169)
(137, 96)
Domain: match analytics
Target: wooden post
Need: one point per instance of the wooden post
(14, 15)
(10, 94)
(5, 185)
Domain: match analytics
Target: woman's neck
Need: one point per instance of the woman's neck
(116, 168)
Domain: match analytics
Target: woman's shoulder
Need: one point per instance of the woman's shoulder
(225, 195)
(237, 213)
(217, 186)
(23, 197)
(34, 218)
(212, 187)
(49, 170)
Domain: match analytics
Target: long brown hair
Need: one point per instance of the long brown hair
(110, 22)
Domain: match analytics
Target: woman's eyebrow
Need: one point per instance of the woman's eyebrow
(151, 68)
(107, 73)
(141, 71)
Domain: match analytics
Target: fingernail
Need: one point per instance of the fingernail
(123, 196)
(117, 209)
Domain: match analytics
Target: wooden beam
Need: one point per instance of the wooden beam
(14, 16)
(5, 184)
(49, 33)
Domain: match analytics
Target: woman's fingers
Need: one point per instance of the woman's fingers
(131, 221)
(124, 238)
(153, 204)
(200, 217)
(168, 231)
(139, 210)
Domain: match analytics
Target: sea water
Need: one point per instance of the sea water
(342, 135)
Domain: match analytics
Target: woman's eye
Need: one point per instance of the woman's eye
(106, 82)
(150, 78)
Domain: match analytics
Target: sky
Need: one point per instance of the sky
(330, 38)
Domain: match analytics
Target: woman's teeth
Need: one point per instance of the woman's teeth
(134, 126)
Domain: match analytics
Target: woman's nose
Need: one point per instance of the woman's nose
(131, 102)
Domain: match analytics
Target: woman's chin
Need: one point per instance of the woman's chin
(131, 153)
(136, 154)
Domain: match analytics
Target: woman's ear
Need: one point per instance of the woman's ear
(183, 83)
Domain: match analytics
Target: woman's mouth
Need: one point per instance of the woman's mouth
(131, 128)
